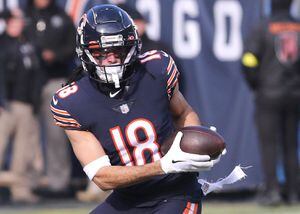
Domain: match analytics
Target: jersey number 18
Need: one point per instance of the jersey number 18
(149, 144)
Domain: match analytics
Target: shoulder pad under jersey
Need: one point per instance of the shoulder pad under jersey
(160, 64)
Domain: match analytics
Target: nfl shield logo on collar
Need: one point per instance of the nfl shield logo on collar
(124, 108)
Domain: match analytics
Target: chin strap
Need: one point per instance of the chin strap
(115, 79)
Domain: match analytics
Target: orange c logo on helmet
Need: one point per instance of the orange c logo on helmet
(131, 37)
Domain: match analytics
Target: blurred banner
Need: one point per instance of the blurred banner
(207, 38)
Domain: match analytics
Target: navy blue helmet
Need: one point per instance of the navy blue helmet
(104, 29)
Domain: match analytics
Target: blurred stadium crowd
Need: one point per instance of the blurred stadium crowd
(37, 55)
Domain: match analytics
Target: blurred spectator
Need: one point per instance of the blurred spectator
(53, 32)
(2, 25)
(271, 64)
(1, 90)
(22, 86)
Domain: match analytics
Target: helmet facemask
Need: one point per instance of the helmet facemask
(112, 72)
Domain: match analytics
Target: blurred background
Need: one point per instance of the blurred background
(226, 51)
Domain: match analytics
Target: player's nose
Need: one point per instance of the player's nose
(112, 58)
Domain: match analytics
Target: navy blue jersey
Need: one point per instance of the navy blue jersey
(130, 129)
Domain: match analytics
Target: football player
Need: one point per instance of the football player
(118, 113)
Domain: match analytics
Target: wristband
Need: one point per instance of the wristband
(92, 168)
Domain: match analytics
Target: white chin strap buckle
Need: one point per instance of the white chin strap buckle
(115, 79)
(116, 73)
(111, 74)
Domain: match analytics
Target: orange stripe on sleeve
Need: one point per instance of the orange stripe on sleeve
(174, 83)
(171, 62)
(65, 125)
(66, 120)
(155, 56)
(58, 111)
(173, 75)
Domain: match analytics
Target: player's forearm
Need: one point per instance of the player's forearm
(121, 176)
(188, 118)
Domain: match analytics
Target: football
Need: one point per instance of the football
(197, 140)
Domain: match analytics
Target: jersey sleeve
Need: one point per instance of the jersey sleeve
(62, 117)
(172, 75)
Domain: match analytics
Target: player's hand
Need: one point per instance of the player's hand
(217, 160)
(178, 161)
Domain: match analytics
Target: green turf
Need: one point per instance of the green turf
(48, 211)
(208, 208)
(247, 208)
